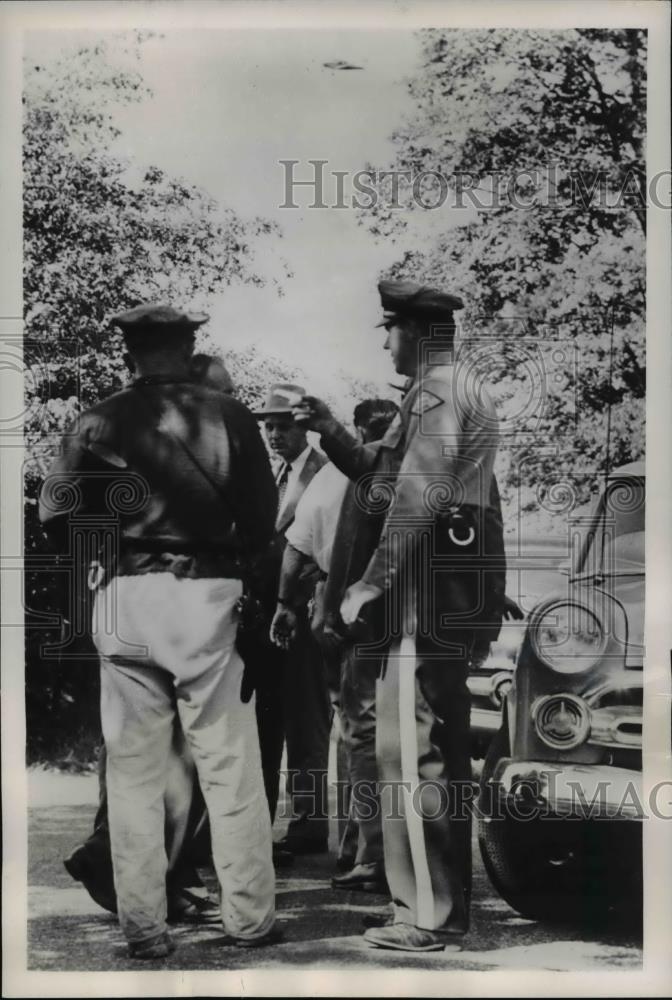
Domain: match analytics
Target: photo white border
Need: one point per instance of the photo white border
(656, 977)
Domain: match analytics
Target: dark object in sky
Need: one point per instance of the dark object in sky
(340, 64)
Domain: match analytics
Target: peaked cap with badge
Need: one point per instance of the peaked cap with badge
(401, 299)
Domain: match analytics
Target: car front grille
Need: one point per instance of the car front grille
(618, 725)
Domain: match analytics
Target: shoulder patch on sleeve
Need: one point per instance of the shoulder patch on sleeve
(425, 401)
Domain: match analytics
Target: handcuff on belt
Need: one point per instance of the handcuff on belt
(459, 523)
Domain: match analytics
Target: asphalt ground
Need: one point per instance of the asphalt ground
(69, 932)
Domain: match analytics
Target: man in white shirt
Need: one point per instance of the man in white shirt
(310, 538)
(314, 526)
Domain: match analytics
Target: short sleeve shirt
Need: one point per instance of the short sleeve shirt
(314, 527)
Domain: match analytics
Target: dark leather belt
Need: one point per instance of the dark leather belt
(155, 555)
(177, 547)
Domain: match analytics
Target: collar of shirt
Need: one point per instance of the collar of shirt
(297, 465)
(294, 473)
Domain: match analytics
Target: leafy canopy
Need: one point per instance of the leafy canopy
(542, 132)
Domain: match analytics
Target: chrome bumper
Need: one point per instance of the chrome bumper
(584, 791)
(488, 692)
(484, 720)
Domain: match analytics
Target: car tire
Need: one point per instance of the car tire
(549, 868)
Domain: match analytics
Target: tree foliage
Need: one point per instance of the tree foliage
(100, 235)
(544, 132)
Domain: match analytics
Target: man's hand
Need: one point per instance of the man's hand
(283, 626)
(512, 612)
(314, 415)
(356, 596)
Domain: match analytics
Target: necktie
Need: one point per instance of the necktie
(282, 483)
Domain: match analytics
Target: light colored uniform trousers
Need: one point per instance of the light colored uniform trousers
(166, 642)
(422, 748)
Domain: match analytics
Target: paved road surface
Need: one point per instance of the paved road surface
(67, 931)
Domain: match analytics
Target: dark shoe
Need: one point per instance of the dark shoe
(362, 878)
(407, 937)
(193, 906)
(281, 857)
(274, 936)
(377, 919)
(101, 889)
(156, 947)
(303, 845)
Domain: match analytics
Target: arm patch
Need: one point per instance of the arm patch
(425, 401)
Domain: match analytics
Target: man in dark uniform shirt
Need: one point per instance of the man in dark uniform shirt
(187, 828)
(174, 483)
(431, 583)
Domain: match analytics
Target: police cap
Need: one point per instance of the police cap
(408, 298)
(153, 319)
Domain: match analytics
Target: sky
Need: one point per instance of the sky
(226, 108)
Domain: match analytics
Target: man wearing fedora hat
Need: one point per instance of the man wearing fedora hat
(173, 483)
(432, 579)
(293, 704)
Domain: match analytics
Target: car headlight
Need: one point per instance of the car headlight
(568, 637)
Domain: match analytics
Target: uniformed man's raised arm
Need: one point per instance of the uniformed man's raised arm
(352, 458)
(345, 451)
(254, 493)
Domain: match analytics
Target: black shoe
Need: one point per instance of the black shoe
(156, 947)
(303, 845)
(377, 920)
(281, 857)
(191, 906)
(274, 936)
(101, 889)
(362, 878)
